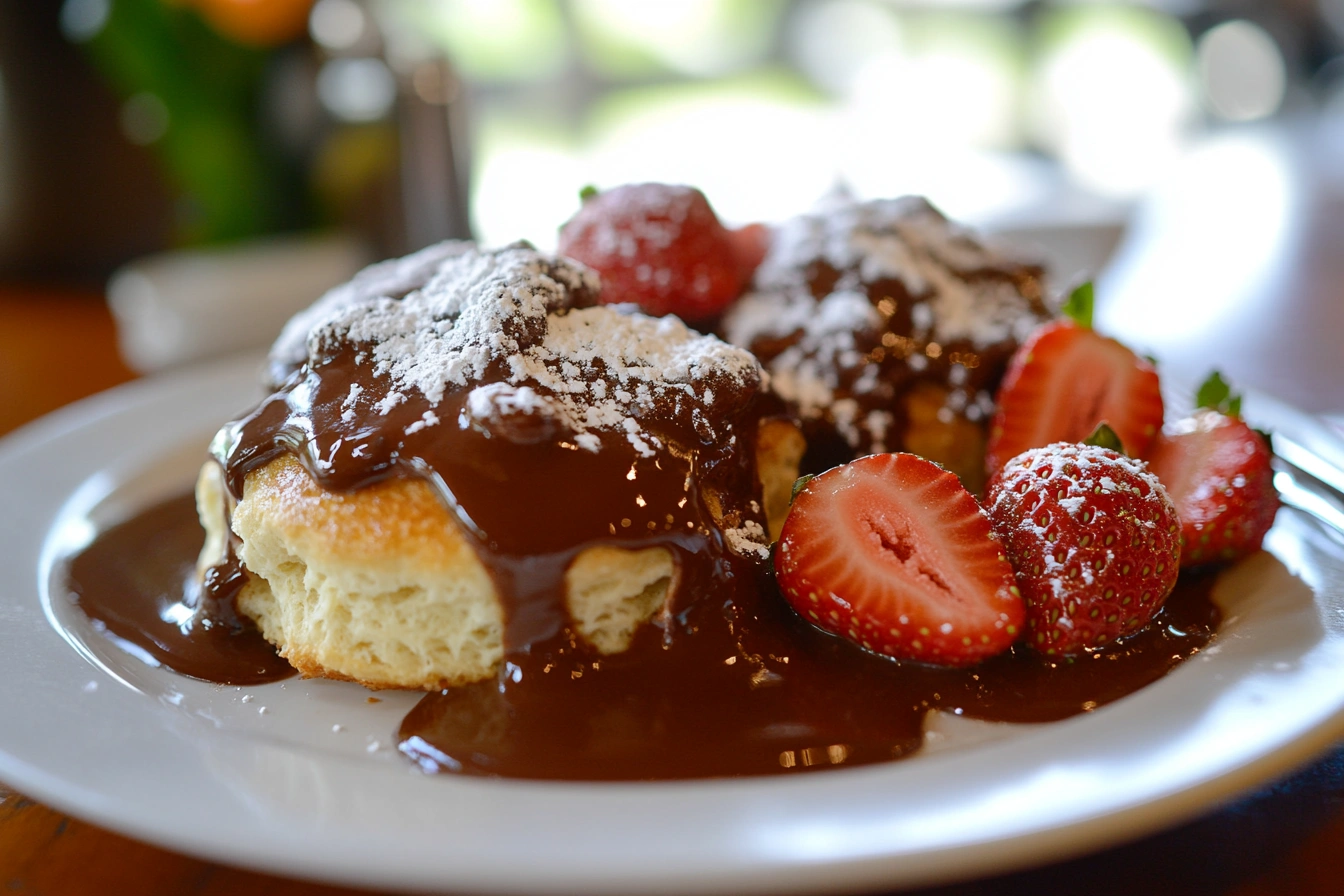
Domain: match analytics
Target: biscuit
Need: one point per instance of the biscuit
(509, 404)
(885, 327)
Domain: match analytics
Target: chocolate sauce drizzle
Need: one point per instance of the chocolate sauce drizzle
(530, 498)
(749, 688)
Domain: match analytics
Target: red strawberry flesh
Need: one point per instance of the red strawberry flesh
(893, 553)
(751, 243)
(1065, 380)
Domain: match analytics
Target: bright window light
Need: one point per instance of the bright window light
(1242, 71)
(1113, 98)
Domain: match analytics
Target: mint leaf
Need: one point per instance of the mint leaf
(1104, 437)
(587, 192)
(1078, 307)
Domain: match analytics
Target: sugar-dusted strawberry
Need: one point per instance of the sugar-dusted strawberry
(1217, 470)
(1094, 539)
(891, 552)
(1064, 381)
(660, 247)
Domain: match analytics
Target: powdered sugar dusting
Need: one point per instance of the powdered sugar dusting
(507, 319)
(1073, 506)
(1075, 474)
(348, 405)
(387, 279)
(427, 419)
(855, 297)
(749, 540)
(904, 239)
(389, 401)
(499, 400)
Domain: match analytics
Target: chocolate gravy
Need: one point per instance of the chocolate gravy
(137, 582)
(757, 691)
(745, 688)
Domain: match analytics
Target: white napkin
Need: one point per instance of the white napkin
(181, 306)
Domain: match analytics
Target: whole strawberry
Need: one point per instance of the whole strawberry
(1217, 471)
(891, 552)
(1064, 380)
(662, 248)
(1094, 539)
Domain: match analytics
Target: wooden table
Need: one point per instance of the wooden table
(1287, 840)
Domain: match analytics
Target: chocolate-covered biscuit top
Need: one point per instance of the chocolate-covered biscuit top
(857, 303)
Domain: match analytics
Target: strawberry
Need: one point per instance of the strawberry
(751, 242)
(1217, 470)
(1064, 380)
(662, 248)
(891, 552)
(1094, 539)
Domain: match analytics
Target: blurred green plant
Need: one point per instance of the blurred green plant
(232, 180)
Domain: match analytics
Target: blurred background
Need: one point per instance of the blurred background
(269, 147)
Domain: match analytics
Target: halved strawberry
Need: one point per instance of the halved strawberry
(1217, 471)
(893, 553)
(1064, 381)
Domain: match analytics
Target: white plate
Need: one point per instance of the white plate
(201, 769)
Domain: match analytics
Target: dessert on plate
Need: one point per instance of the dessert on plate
(480, 474)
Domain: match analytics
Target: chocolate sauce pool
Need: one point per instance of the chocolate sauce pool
(137, 582)
(758, 691)
(746, 687)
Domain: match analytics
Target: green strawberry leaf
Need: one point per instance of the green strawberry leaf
(798, 485)
(1215, 393)
(1078, 307)
(1104, 437)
